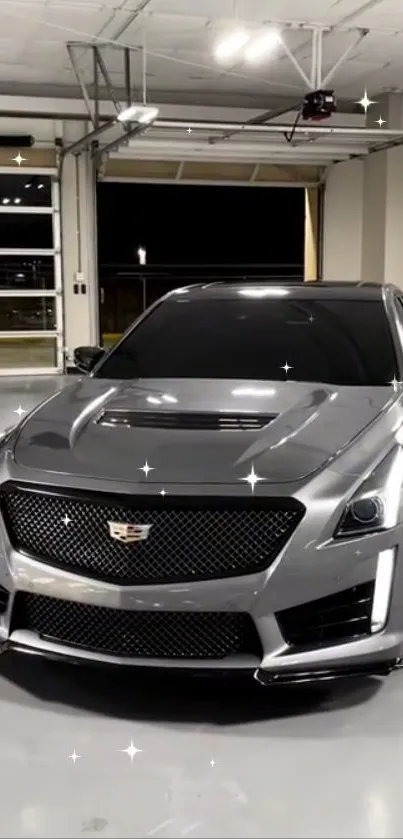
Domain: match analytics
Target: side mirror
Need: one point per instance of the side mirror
(85, 358)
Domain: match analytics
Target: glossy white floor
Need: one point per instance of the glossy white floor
(213, 760)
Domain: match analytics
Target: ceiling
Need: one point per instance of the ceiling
(172, 54)
(180, 36)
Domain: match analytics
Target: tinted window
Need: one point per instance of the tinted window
(26, 230)
(344, 342)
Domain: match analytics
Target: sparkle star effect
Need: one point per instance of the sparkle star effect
(66, 520)
(146, 469)
(380, 122)
(311, 318)
(74, 756)
(365, 102)
(189, 130)
(20, 411)
(19, 159)
(252, 479)
(131, 751)
(212, 763)
(286, 367)
(163, 493)
(395, 384)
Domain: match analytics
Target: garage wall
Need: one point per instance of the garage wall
(343, 222)
(375, 168)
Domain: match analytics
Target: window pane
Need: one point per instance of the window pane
(26, 190)
(345, 342)
(25, 231)
(27, 272)
(22, 353)
(30, 313)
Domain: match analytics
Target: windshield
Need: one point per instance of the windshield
(344, 342)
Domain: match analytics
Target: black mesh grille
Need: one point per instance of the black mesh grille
(188, 540)
(339, 617)
(192, 635)
(186, 420)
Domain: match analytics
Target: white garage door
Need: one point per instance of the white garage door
(31, 309)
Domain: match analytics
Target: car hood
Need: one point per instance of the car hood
(310, 424)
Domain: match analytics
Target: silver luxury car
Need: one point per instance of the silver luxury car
(222, 490)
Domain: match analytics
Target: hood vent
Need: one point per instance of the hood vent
(185, 421)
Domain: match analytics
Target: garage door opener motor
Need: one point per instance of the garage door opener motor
(316, 106)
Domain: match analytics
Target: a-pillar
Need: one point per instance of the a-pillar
(79, 252)
(363, 210)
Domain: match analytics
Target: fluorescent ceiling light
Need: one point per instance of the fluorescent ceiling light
(262, 45)
(231, 45)
(138, 113)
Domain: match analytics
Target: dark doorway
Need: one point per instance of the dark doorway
(190, 234)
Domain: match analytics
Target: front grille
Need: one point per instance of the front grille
(189, 539)
(185, 420)
(339, 617)
(191, 635)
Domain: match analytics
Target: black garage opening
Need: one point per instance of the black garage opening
(190, 234)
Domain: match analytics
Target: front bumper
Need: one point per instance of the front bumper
(278, 663)
(370, 663)
(305, 572)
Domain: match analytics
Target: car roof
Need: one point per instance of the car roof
(302, 290)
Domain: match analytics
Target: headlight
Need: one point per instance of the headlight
(378, 503)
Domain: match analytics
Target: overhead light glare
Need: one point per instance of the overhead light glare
(260, 293)
(262, 46)
(231, 45)
(253, 391)
(6, 201)
(144, 114)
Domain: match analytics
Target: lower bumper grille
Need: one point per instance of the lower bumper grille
(188, 539)
(176, 635)
(339, 617)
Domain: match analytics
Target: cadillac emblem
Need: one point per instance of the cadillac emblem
(128, 532)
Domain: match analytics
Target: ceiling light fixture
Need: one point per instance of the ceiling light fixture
(143, 114)
(230, 46)
(262, 46)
